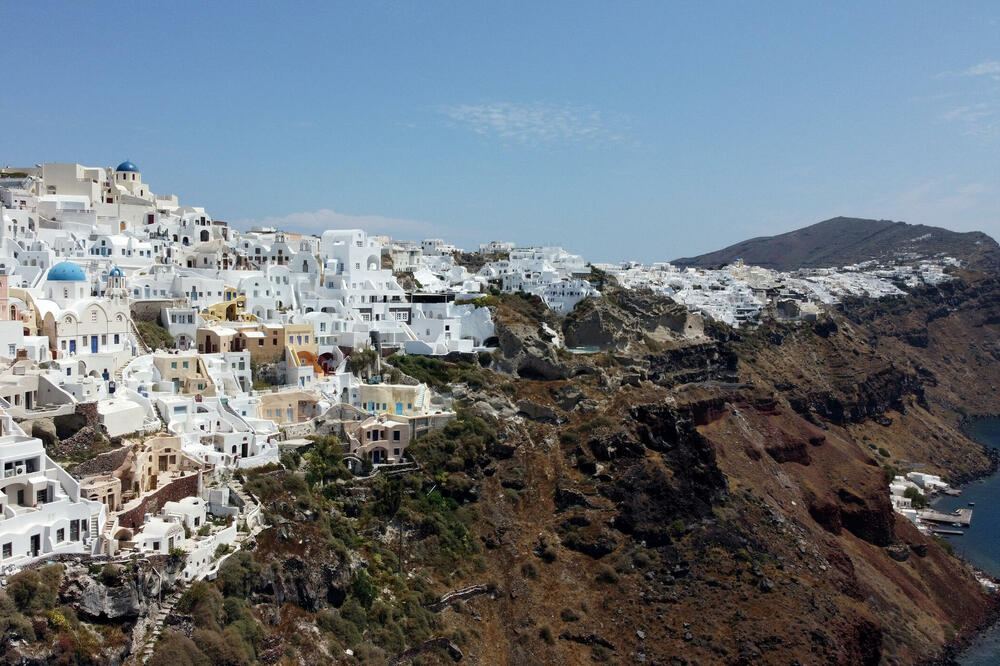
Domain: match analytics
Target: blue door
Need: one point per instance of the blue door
(399, 408)
(93, 344)
(72, 346)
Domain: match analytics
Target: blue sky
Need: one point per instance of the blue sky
(618, 130)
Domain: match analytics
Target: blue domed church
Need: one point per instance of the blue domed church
(78, 324)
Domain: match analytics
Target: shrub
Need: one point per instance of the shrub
(223, 648)
(204, 602)
(36, 590)
(569, 615)
(606, 575)
(882, 451)
(363, 588)
(176, 649)
(944, 543)
(238, 574)
(344, 632)
(154, 336)
(111, 574)
(545, 633)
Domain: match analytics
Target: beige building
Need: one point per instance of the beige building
(382, 439)
(156, 461)
(186, 371)
(265, 344)
(106, 489)
(216, 339)
(288, 406)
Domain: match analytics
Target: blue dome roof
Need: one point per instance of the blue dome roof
(127, 166)
(115, 272)
(67, 271)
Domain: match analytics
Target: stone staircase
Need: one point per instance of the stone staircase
(158, 619)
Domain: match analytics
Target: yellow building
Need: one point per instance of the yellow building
(300, 336)
(399, 399)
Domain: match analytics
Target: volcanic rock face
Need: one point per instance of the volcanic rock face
(734, 481)
(125, 599)
(633, 314)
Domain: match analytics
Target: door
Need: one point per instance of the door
(72, 346)
(36, 544)
(399, 408)
(93, 344)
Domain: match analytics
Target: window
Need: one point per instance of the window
(8, 550)
(173, 365)
(116, 338)
(60, 534)
(74, 530)
(41, 496)
(184, 364)
(395, 438)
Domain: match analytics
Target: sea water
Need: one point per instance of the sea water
(981, 542)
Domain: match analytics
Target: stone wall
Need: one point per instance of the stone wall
(104, 463)
(153, 502)
(88, 410)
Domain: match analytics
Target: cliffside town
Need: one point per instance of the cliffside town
(239, 447)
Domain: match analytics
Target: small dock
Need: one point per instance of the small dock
(947, 532)
(953, 492)
(961, 517)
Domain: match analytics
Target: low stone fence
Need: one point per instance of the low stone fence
(172, 492)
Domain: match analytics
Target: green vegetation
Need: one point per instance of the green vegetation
(361, 361)
(454, 448)
(917, 498)
(154, 335)
(480, 302)
(530, 306)
(261, 378)
(882, 451)
(29, 612)
(944, 543)
(325, 461)
(437, 373)
(402, 528)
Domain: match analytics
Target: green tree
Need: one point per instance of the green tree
(917, 498)
(325, 462)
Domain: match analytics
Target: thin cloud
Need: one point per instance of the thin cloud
(979, 119)
(990, 68)
(318, 221)
(976, 107)
(537, 124)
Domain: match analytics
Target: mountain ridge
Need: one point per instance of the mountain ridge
(841, 241)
